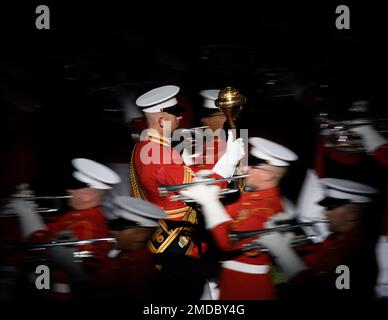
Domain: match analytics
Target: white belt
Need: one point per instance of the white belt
(245, 267)
(61, 287)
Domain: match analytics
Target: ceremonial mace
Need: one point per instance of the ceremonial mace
(230, 101)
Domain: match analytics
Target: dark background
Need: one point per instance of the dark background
(61, 89)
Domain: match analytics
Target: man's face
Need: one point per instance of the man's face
(85, 198)
(132, 238)
(170, 123)
(214, 122)
(257, 176)
(340, 217)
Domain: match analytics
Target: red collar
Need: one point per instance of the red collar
(91, 211)
(268, 193)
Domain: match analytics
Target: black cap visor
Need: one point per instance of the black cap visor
(176, 110)
(254, 161)
(209, 112)
(331, 203)
(121, 224)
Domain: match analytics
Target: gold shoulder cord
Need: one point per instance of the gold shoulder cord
(136, 191)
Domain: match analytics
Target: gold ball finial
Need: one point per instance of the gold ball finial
(229, 97)
(229, 101)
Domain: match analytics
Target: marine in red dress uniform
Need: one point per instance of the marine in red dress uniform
(82, 225)
(154, 162)
(165, 167)
(250, 212)
(375, 145)
(246, 275)
(347, 246)
(84, 222)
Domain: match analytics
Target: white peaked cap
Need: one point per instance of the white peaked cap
(347, 190)
(158, 99)
(144, 213)
(273, 153)
(94, 174)
(210, 96)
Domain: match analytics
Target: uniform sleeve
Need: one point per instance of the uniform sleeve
(221, 236)
(222, 231)
(91, 228)
(174, 174)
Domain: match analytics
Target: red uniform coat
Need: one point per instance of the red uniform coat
(155, 162)
(250, 212)
(84, 224)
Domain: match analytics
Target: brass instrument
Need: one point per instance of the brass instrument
(34, 251)
(239, 235)
(222, 192)
(164, 189)
(296, 241)
(41, 246)
(33, 198)
(339, 135)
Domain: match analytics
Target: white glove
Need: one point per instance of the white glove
(289, 213)
(276, 221)
(30, 221)
(285, 257)
(207, 197)
(370, 137)
(234, 152)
